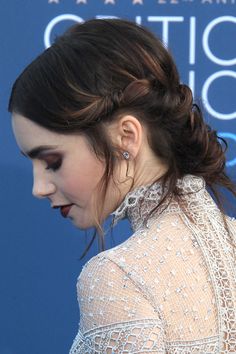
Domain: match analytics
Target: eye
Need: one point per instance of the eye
(54, 165)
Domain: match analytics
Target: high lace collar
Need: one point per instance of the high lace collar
(139, 203)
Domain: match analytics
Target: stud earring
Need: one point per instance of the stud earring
(126, 155)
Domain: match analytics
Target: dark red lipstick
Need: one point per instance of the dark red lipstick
(65, 210)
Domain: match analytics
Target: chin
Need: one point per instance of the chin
(83, 225)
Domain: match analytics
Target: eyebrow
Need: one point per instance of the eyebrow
(35, 152)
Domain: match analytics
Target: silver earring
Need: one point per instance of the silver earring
(126, 155)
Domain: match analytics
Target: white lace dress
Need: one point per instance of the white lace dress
(170, 288)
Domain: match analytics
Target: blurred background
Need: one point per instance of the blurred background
(39, 251)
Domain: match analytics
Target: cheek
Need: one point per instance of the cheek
(82, 179)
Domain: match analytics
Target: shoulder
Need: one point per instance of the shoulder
(140, 249)
(112, 263)
(101, 265)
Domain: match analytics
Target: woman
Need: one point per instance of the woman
(111, 130)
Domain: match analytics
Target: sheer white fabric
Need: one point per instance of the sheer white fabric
(170, 288)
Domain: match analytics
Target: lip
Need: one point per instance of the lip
(65, 210)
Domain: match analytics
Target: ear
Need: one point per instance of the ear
(127, 134)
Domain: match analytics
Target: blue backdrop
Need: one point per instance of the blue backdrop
(39, 260)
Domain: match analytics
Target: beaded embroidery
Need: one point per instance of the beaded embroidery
(170, 288)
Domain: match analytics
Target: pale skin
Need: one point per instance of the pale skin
(66, 170)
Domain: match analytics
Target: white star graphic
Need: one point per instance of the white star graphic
(109, 2)
(81, 2)
(53, 1)
(137, 2)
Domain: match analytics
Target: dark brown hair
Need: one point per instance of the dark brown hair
(101, 69)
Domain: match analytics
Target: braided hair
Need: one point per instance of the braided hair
(102, 69)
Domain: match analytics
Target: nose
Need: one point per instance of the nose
(42, 190)
(42, 187)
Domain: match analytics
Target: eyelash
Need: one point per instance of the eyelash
(55, 165)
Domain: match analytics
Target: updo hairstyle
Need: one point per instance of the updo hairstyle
(99, 71)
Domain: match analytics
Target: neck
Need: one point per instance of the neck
(139, 204)
(147, 171)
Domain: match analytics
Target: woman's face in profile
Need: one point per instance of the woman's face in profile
(65, 169)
